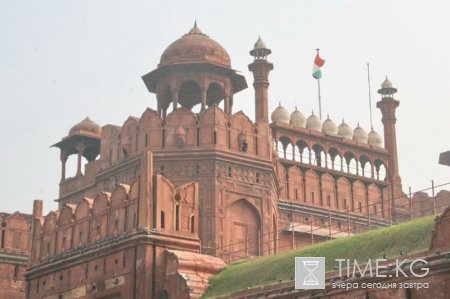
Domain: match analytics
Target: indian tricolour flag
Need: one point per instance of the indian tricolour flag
(318, 63)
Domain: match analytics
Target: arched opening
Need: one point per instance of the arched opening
(350, 160)
(380, 170)
(169, 108)
(197, 108)
(72, 165)
(319, 155)
(290, 151)
(282, 150)
(366, 167)
(335, 163)
(303, 151)
(338, 163)
(165, 97)
(324, 159)
(189, 94)
(214, 94)
(242, 230)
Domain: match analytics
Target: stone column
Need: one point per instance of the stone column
(230, 106)
(227, 105)
(80, 152)
(158, 108)
(203, 99)
(175, 101)
(63, 166)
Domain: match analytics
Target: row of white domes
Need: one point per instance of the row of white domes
(329, 127)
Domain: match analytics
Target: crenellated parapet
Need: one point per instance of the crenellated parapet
(182, 130)
(75, 227)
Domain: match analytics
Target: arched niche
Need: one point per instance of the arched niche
(359, 195)
(295, 184)
(99, 218)
(128, 136)
(375, 201)
(344, 194)
(328, 191)
(312, 187)
(117, 211)
(281, 174)
(243, 229)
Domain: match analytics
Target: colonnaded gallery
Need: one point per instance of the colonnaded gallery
(168, 198)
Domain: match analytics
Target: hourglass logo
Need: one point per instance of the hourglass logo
(310, 273)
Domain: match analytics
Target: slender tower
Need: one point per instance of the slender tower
(260, 69)
(387, 106)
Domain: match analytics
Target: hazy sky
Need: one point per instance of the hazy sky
(61, 61)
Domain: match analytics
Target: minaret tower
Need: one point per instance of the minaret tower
(387, 106)
(260, 69)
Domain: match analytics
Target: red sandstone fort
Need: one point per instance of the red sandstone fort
(174, 193)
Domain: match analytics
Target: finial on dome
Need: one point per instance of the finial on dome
(195, 29)
(296, 108)
(328, 116)
(279, 103)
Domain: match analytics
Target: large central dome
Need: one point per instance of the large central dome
(195, 47)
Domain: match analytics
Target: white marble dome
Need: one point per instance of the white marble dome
(298, 119)
(386, 83)
(260, 44)
(375, 139)
(345, 131)
(314, 123)
(329, 127)
(281, 115)
(360, 135)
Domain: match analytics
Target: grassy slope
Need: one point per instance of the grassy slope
(413, 236)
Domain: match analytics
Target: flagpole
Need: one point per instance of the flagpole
(318, 87)
(370, 98)
(320, 101)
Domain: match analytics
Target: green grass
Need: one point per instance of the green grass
(413, 236)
